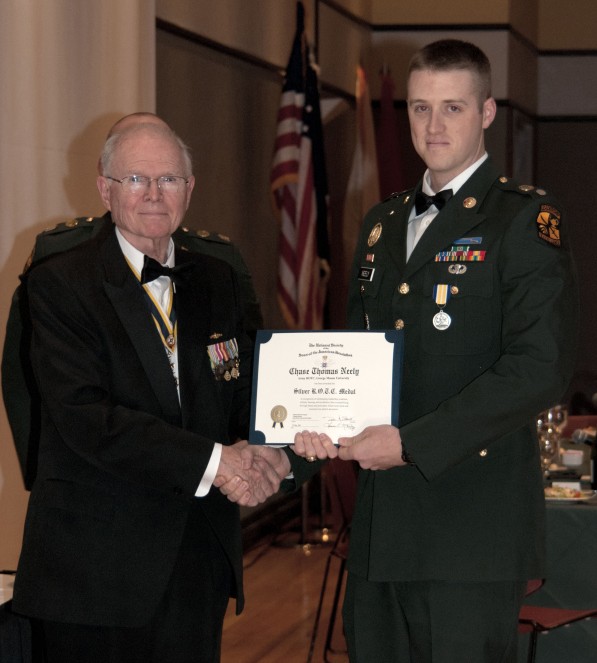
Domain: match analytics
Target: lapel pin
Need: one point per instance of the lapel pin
(469, 202)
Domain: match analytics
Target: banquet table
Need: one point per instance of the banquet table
(571, 582)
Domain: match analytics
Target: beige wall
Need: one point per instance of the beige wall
(567, 25)
(523, 17)
(261, 28)
(66, 74)
(426, 12)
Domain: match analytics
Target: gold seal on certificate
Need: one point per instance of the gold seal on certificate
(279, 414)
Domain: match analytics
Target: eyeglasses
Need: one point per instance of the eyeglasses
(141, 183)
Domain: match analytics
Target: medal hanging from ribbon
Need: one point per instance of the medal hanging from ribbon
(441, 294)
(224, 359)
(165, 322)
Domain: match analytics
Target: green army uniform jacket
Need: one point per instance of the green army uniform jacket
(471, 508)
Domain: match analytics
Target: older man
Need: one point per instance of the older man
(19, 390)
(130, 553)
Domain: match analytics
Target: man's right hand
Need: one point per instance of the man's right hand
(249, 475)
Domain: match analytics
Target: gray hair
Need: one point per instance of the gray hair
(113, 142)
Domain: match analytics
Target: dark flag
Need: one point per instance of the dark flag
(391, 176)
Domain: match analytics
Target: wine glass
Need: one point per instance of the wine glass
(556, 417)
(550, 424)
(549, 440)
(560, 417)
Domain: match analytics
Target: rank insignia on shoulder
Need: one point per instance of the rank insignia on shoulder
(397, 194)
(548, 225)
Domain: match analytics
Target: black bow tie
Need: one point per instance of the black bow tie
(153, 270)
(423, 201)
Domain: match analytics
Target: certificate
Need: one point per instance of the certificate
(334, 382)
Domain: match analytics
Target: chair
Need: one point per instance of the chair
(535, 619)
(341, 482)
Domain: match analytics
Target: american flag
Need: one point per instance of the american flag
(299, 187)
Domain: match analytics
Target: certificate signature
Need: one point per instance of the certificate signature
(332, 382)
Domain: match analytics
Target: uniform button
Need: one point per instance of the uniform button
(399, 324)
(454, 290)
(404, 288)
(483, 453)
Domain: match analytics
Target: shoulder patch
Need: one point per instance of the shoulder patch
(548, 225)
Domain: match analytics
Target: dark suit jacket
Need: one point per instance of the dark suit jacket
(120, 458)
(472, 508)
(21, 397)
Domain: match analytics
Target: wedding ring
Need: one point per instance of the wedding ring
(311, 459)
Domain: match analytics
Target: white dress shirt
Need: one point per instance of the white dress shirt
(161, 291)
(418, 224)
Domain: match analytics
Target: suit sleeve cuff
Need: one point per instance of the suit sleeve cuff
(210, 471)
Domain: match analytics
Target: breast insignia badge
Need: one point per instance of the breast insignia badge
(375, 234)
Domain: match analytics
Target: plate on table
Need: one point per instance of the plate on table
(560, 494)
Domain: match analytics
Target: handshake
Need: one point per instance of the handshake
(249, 474)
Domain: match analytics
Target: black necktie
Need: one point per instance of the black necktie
(153, 270)
(423, 201)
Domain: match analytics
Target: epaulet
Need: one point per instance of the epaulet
(508, 184)
(71, 224)
(549, 216)
(398, 194)
(206, 235)
(79, 225)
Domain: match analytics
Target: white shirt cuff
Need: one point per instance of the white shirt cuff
(210, 471)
